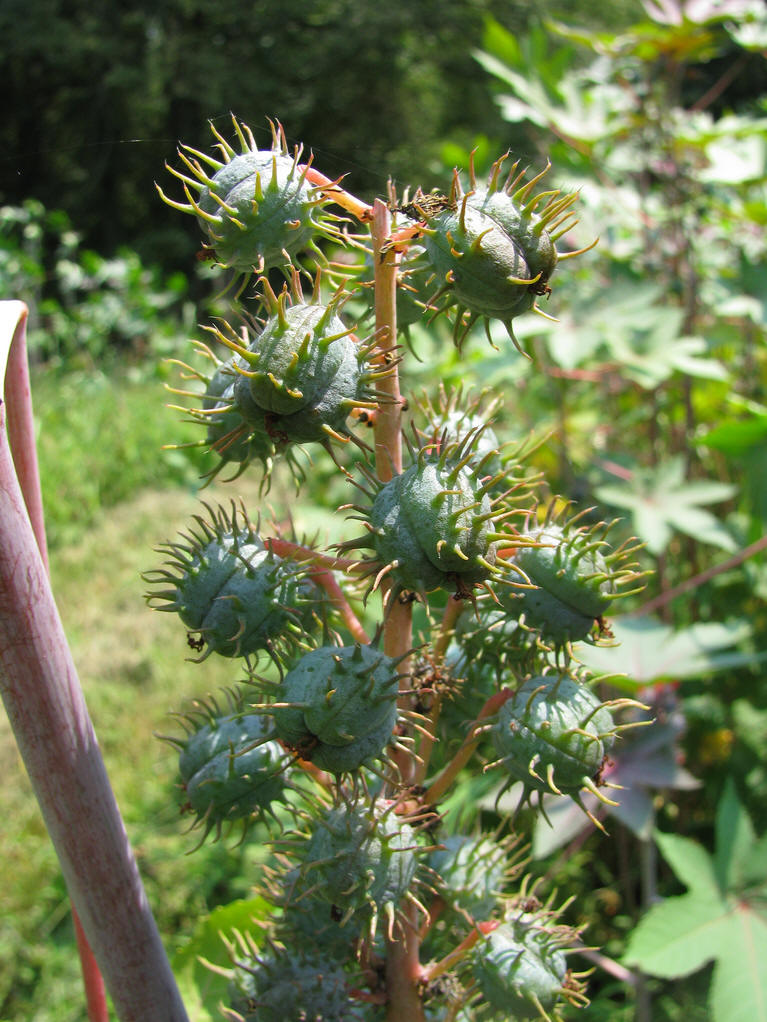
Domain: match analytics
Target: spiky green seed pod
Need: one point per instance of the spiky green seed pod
(472, 871)
(238, 441)
(456, 424)
(521, 970)
(434, 525)
(338, 706)
(456, 415)
(230, 434)
(493, 248)
(231, 769)
(481, 270)
(304, 373)
(363, 863)
(554, 735)
(234, 595)
(569, 568)
(256, 208)
(491, 643)
(309, 921)
(577, 578)
(526, 230)
(291, 986)
(533, 222)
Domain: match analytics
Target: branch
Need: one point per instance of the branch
(323, 576)
(345, 200)
(697, 580)
(439, 786)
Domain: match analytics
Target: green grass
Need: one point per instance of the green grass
(100, 440)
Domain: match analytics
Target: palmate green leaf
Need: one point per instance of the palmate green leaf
(549, 95)
(733, 162)
(647, 650)
(734, 839)
(535, 107)
(722, 917)
(682, 934)
(636, 327)
(678, 936)
(692, 865)
(750, 875)
(686, 356)
(536, 53)
(661, 500)
(653, 350)
(201, 987)
(739, 986)
(737, 436)
(750, 31)
(701, 525)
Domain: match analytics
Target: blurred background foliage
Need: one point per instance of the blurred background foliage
(97, 96)
(650, 391)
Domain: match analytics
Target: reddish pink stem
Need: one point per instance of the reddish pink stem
(438, 787)
(335, 593)
(21, 437)
(323, 575)
(297, 552)
(333, 190)
(21, 426)
(46, 709)
(435, 969)
(452, 612)
(93, 981)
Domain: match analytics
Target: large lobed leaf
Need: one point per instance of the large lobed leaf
(723, 917)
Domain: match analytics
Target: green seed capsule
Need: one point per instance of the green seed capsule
(231, 769)
(361, 862)
(257, 208)
(339, 706)
(520, 969)
(554, 735)
(238, 597)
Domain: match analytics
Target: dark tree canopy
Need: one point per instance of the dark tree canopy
(98, 95)
(381, 82)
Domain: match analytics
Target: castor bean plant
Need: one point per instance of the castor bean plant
(342, 738)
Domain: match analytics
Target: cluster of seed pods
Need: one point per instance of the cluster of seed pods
(323, 747)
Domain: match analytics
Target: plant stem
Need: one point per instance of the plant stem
(388, 427)
(444, 965)
(47, 711)
(333, 190)
(439, 786)
(398, 629)
(452, 612)
(21, 439)
(323, 576)
(403, 968)
(698, 580)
